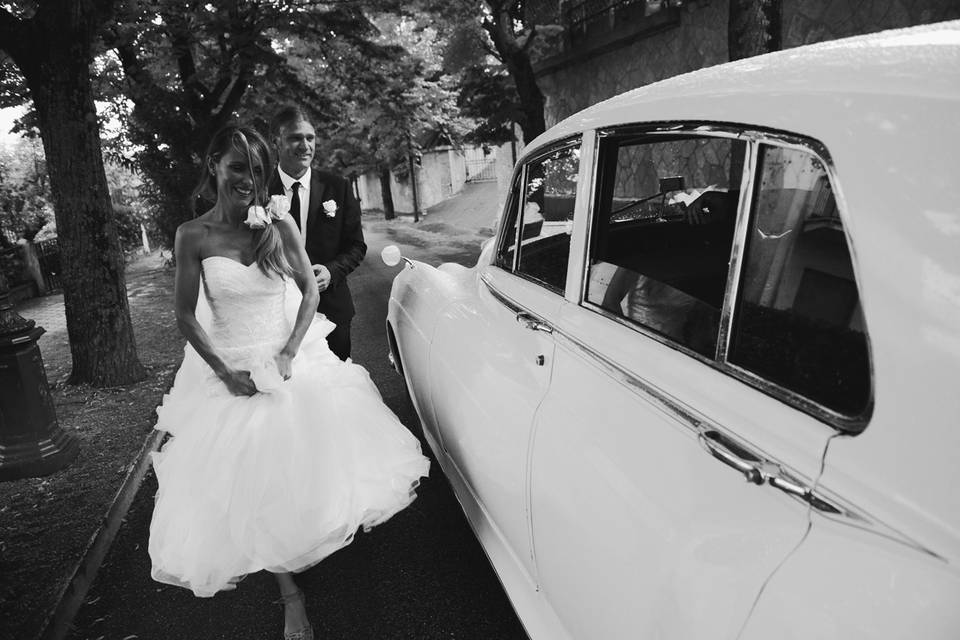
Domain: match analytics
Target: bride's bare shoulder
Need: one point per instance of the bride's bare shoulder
(192, 234)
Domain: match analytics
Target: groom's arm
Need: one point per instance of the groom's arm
(351, 248)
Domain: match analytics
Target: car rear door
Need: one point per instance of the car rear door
(668, 481)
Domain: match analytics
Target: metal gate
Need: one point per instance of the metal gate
(48, 254)
(481, 164)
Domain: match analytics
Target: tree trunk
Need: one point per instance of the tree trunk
(753, 28)
(517, 60)
(388, 211)
(56, 67)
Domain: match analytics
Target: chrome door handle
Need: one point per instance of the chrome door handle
(733, 455)
(795, 488)
(529, 321)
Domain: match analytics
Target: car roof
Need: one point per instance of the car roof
(795, 89)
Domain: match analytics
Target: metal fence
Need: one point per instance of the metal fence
(48, 254)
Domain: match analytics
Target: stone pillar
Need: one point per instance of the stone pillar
(31, 263)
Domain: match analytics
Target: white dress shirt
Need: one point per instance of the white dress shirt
(303, 193)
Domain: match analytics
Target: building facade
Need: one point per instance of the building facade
(610, 46)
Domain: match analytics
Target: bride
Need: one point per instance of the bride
(280, 451)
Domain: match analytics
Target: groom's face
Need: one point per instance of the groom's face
(295, 146)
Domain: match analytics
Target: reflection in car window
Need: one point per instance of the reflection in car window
(798, 320)
(545, 213)
(664, 229)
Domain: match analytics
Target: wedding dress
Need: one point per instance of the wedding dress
(281, 479)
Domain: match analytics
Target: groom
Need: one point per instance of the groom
(328, 215)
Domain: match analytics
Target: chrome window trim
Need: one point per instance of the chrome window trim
(519, 173)
(559, 145)
(501, 297)
(735, 268)
(582, 215)
(754, 137)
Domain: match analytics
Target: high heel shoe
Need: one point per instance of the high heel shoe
(304, 633)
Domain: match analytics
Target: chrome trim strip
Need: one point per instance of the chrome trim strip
(581, 295)
(735, 266)
(582, 217)
(518, 218)
(501, 297)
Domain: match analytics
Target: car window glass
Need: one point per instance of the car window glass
(664, 229)
(546, 213)
(798, 320)
(508, 240)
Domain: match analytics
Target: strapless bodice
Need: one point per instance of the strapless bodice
(246, 305)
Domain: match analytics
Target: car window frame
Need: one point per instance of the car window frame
(514, 202)
(754, 137)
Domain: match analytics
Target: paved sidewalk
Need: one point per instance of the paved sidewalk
(47, 312)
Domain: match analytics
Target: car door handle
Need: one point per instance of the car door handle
(529, 321)
(795, 488)
(731, 454)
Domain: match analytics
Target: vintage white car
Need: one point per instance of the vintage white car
(705, 380)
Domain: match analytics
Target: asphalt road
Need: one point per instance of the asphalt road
(422, 575)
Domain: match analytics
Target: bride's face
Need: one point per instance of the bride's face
(235, 183)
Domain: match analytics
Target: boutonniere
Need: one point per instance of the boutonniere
(259, 217)
(330, 208)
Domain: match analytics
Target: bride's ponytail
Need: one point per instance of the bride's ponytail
(270, 253)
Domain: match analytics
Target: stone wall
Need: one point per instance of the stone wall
(700, 40)
(807, 21)
(696, 43)
(441, 174)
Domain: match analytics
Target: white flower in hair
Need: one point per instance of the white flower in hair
(257, 217)
(330, 208)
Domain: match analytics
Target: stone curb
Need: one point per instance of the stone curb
(56, 626)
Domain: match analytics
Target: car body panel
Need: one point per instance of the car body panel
(850, 583)
(482, 346)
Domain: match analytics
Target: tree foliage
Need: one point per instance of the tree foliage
(753, 28)
(490, 40)
(400, 100)
(25, 198)
(178, 71)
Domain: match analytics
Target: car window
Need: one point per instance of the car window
(542, 207)
(798, 320)
(664, 224)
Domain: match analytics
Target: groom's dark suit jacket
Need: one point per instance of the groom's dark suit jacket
(333, 241)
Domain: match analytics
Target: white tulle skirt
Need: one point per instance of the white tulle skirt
(275, 481)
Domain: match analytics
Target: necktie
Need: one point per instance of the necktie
(295, 203)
